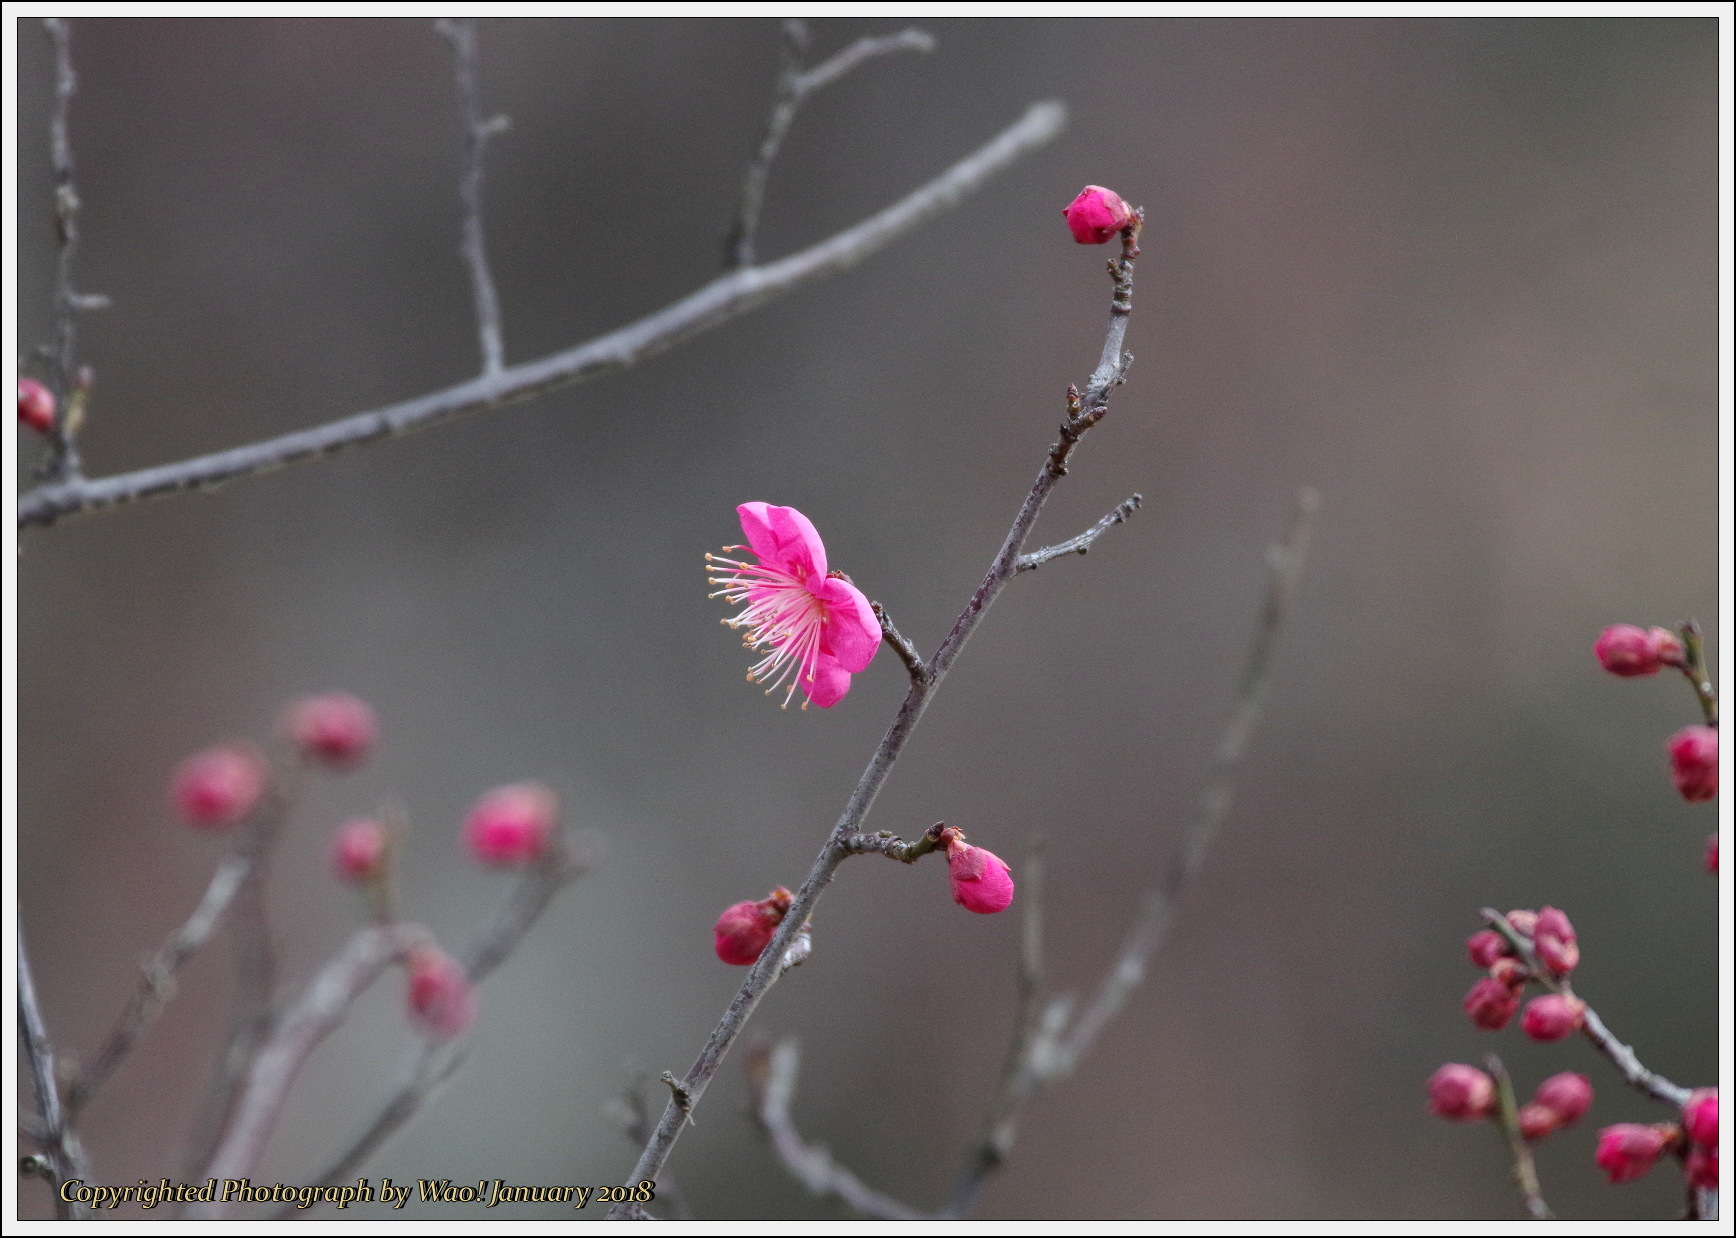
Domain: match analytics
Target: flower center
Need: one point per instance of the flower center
(781, 615)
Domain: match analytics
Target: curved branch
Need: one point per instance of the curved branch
(710, 306)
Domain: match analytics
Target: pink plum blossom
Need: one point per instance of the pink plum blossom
(1625, 650)
(817, 627)
(981, 881)
(1628, 1150)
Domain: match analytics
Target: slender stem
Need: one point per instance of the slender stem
(722, 299)
(1004, 567)
(1626, 1061)
(63, 464)
(157, 980)
(858, 53)
(1079, 545)
(1693, 666)
(62, 1156)
(907, 652)
(1524, 1167)
(461, 33)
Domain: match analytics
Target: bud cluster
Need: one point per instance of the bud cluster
(1628, 1150)
(1625, 650)
(1495, 999)
(1463, 1093)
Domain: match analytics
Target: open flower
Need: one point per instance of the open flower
(817, 627)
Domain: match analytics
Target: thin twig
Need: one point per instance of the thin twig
(1049, 1046)
(716, 303)
(1002, 570)
(461, 33)
(632, 1114)
(1626, 1061)
(1079, 545)
(316, 1015)
(1524, 1167)
(1693, 665)
(157, 979)
(62, 1156)
(793, 87)
(62, 464)
(907, 652)
(435, 1064)
(771, 1085)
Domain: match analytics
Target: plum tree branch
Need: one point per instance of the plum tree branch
(461, 33)
(715, 303)
(1524, 1165)
(62, 1156)
(1083, 413)
(1079, 545)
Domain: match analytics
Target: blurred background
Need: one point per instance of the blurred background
(1460, 276)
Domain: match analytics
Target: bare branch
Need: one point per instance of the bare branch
(461, 33)
(837, 847)
(1524, 1167)
(710, 306)
(793, 87)
(901, 645)
(891, 846)
(62, 1156)
(157, 982)
(1693, 665)
(1626, 1061)
(632, 1114)
(63, 464)
(321, 1009)
(1079, 545)
(772, 1084)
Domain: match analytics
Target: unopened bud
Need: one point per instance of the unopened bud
(1554, 940)
(333, 729)
(1523, 920)
(1567, 1094)
(511, 826)
(1491, 1004)
(1485, 946)
(1627, 651)
(1510, 972)
(1536, 1121)
(981, 881)
(359, 851)
(1667, 645)
(1712, 854)
(441, 1000)
(1628, 1150)
(1701, 1167)
(35, 406)
(1096, 215)
(1700, 1117)
(744, 930)
(220, 786)
(1694, 762)
(1461, 1093)
(1554, 1016)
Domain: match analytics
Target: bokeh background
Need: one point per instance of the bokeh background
(1460, 276)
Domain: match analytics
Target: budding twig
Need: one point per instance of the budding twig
(1626, 1061)
(62, 1155)
(901, 645)
(710, 306)
(1079, 545)
(1002, 569)
(63, 464)
(1693, 665)
(1524, 1167)
(461, 33)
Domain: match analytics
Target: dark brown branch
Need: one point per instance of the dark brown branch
(722, 299)
(793, 87)
(62, 1156)
(1079, 545)
(461, 33)
(1001, 570)
(901, 645)
(1524, 1167)
(1626, 1061)
(771, 1076)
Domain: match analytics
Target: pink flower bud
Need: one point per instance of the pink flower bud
(1510, 972)
(1491, 1004)
(744, 929)
(981, 881)
(1554, 922)
(1461, 1093)
(1712, 854)
(1700, 1117)
(1486, 946)
(359, 852)
(1523, 920)
(1096, 215)
(1555, 942)
(1667, 645)
(1567, 1094)
(1626, 650)
(510, 827)
(1554, 1016)
(35, 406)
(220, 786)
(333, 729)
(1628, 1150)
(1694, 762)
(442, 1002)
(1536, 1121)
(1702, 1168)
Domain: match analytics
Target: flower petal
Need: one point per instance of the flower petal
(852, 633)
(784, 538)
(828, 683)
